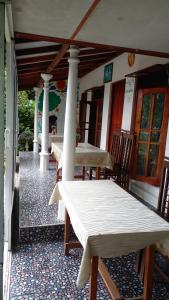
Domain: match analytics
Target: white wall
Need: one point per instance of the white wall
(128, 103)
(120, 69)
(105, 116)
(94, 78)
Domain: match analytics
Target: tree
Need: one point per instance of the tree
(25, 111)
(26, 119)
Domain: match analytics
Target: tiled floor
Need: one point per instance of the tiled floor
(39, 269)
(35, 190)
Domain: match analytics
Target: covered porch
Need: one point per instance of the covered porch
(107, 71)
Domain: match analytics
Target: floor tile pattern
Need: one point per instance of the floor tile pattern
(35, 191)
(41, 233)
(40, 271)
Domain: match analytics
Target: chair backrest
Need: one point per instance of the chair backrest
(127, 148)
(163, 199)
(116, 147)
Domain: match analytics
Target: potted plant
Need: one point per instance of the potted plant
(25, 139)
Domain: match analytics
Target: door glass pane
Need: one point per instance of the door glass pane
(158, 111)
(155, 136)
(143, 136)
(141, 159)
(152, 160)
(146, 106)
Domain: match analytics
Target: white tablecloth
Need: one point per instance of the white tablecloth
(85, 155)
(107, 220)
(52, 138)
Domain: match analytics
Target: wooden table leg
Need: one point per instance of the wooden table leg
(56, 171)
(66, 233)
(83, 170)
(110, 284)
(148, 272)
(90, 174)
(93, 278)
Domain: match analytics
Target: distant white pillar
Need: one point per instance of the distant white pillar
(44, 155)
(35, 141)
(70, 123)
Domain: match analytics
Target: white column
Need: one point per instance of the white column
(35, 141)
(2, 101)
(70, 123)
(44, 155)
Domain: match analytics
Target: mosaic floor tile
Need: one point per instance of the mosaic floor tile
(35, 191)
(39, 270)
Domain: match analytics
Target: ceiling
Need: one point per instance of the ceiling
(103, 29)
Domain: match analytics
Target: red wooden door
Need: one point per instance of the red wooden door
(151, 132)
(117, 103)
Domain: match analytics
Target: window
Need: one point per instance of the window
(151, 131)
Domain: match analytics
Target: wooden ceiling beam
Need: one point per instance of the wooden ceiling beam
(50, 57)
(37, 50)
(95, 51)
(60, 69)
(65, 47)
(64, 61)
(34, 59)
(61, 66)
(33, 66)
(119, 49)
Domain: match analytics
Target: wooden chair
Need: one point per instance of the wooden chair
(163, 210)
(163, 199)
(123, 176)
(116, 154)
(121, 151)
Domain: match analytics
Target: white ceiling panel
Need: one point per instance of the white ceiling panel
(127, 23)
(57, 18)
(135, 24)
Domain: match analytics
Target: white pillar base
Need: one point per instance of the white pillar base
(35, 146)
(61, 211)
(44, 161)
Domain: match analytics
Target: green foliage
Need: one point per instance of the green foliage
(25, 136)
(26, 118)
(25, 111)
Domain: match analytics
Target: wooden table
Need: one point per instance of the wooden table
(108, 222)
(86, 155)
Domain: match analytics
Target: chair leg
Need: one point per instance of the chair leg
(162, 273)
(66, 233)
(83, 170)
(140, 260)
(90, 173)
